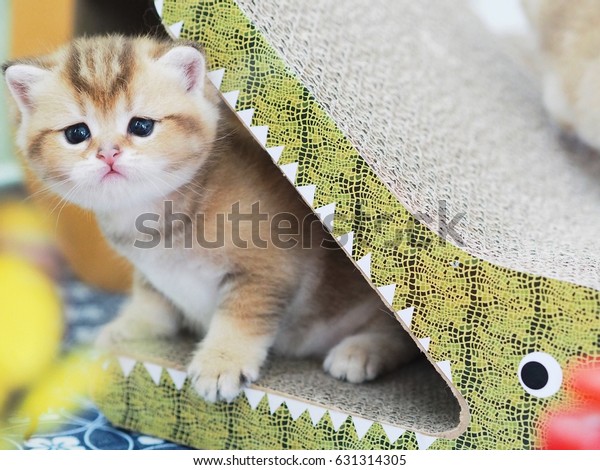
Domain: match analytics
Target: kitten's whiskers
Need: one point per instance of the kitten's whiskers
(45, 191)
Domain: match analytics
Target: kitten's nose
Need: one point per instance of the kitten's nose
(109, 156)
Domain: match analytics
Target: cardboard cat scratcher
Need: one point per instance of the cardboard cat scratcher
(425, 150)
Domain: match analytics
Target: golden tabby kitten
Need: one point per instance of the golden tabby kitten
(567, 34)
(130, 128)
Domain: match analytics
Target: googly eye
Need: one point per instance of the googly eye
(540, 374)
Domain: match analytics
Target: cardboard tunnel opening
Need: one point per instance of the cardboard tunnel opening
(417, 396)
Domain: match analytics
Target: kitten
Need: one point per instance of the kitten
(567, 37)
(130, 127)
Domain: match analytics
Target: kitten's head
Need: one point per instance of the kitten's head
(110, 122)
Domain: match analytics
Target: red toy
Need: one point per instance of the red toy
(577, 427)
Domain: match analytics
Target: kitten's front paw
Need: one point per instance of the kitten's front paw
(355, 359)
(219, 375)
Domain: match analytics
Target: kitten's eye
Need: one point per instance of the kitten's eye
(141, 127)
(77, 133)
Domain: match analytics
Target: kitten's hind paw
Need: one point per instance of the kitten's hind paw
(219, 376)
(355, 359)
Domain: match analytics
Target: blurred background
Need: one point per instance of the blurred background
(24, 29)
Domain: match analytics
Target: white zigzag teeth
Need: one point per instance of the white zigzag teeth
(362, 426)
(290, 171)
(176, 28)
(154, 371)
(347, 242)
(406, 316)
(260, 134)
(216, 77)
(425, 342)
(158, 6)
(316, 413)
(246, 116)
(337, 419)
(365, 265)
(275, 153)
(295, 407)
(254, 396)
(275, 401)
(325, 213)
(178, 377)
(307, 193)
(387, 292)
(127, 364)
(445, 368)
(423, 441)
(393, 433)
(231, 97)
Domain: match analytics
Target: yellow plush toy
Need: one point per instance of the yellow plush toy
(31, 324)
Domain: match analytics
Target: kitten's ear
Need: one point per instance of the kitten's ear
(20, 79)
(190, 64)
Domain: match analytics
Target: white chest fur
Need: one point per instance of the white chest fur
(190, 281)
(192, 285)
